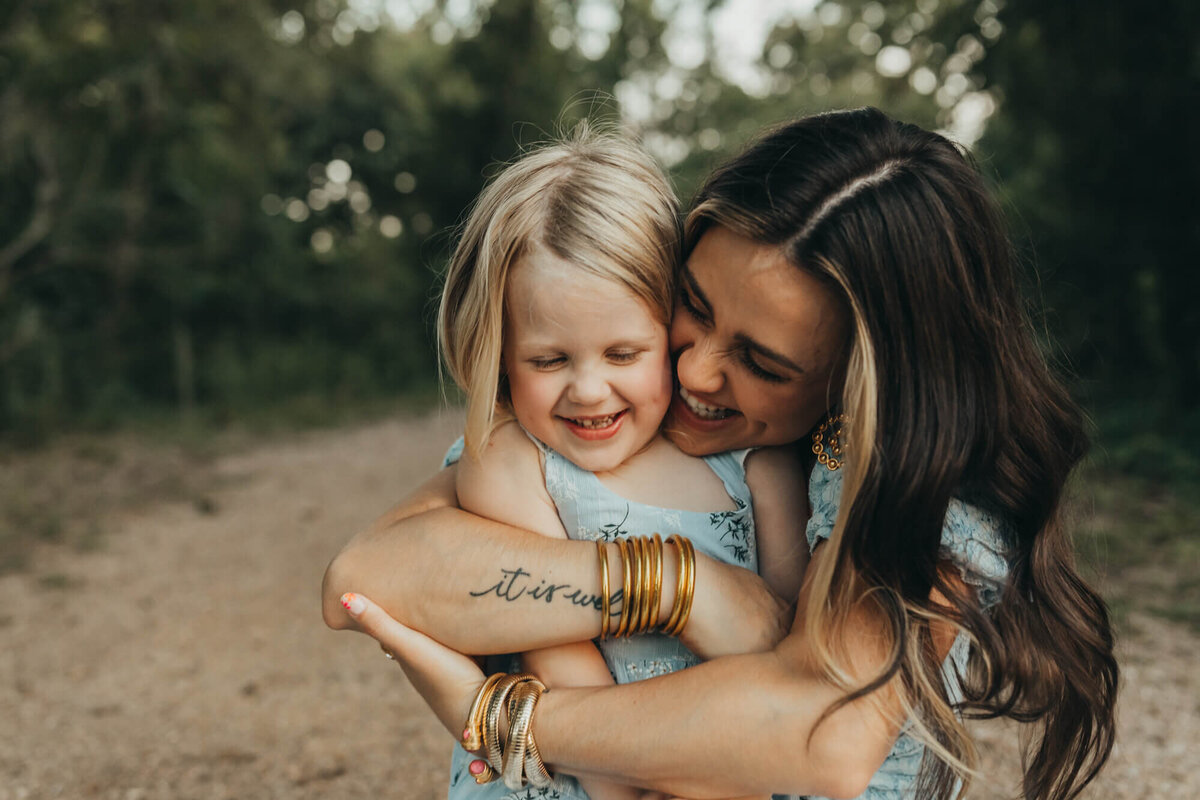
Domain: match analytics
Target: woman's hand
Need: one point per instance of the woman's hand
(447, 679)
(734, 612)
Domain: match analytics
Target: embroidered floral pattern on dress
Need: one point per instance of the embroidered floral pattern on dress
(610, 531)
(735, 529)
(653, 667)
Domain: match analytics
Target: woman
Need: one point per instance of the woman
(850, 263)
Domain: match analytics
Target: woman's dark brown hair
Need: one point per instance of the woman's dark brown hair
(947, 395)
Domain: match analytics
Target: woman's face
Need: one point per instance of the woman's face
(758, 345)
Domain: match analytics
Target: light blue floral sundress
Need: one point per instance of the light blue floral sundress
(591, 511)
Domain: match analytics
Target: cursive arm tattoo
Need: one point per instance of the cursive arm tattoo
(516, 584)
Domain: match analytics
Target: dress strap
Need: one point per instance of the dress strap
(730, 467)
(541, 446)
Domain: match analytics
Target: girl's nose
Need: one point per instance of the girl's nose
(588, 387)
(699, 369)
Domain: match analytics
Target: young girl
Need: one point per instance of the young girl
(554, 322)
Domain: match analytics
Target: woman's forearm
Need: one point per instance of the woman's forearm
(483, 587)
(736, 725)
(473, 584)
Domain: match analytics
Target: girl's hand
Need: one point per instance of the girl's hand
(734, 612)
(447, 679)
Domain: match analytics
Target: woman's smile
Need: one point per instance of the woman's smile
(705, 411)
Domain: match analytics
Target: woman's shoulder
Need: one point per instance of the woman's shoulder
(973, 539)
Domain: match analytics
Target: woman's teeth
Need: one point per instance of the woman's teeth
(703, 409)
(595, 422)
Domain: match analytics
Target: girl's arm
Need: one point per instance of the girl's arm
(777, 480)
(730, 726)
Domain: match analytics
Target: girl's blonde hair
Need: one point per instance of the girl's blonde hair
(595, 199)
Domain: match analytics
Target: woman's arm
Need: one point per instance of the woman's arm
(483, 587)
(730, 726)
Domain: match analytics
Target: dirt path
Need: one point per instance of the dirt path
(186, 658)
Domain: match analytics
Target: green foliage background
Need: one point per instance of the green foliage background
(172, 239)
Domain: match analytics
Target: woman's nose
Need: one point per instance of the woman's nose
(699, 369)
(587, 387)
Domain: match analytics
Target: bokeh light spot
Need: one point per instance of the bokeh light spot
(374, 140)
(405, 182)
(422, 223)
(271, 205)
(321, 240)
(338, 171)
(390, 226)
(893, 61)
(296, 209)
(923, 80)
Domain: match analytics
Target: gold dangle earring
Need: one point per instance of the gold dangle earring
(827, 441)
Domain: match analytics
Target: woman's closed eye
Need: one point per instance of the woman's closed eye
(747, 358)
(691, 306)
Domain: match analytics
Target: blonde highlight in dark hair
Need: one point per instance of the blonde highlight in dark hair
(947, 396)
(596, 200)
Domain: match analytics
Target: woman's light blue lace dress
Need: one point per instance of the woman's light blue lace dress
(591, 511)
(973, 541)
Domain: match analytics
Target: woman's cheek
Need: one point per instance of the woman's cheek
(666, 382)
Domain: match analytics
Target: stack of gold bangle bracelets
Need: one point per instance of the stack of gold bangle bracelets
(515, 758)
(642, 575)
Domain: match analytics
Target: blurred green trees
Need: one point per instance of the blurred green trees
(215, 206)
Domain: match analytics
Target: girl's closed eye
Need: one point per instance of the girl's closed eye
(547, 362)
(623, 356)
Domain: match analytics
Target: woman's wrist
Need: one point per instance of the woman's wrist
(667, 592)
(734, 612)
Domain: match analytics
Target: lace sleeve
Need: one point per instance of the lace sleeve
(972, 539)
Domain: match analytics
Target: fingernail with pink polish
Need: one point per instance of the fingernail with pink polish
(353, 603)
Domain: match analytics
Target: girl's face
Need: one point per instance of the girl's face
(758, 345)
(588, 367)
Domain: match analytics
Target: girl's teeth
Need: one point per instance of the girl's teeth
(596, 422)
(703, 409)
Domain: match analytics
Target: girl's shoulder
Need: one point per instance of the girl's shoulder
(661, 475)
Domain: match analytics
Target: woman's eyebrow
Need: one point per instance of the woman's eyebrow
(779, 358)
